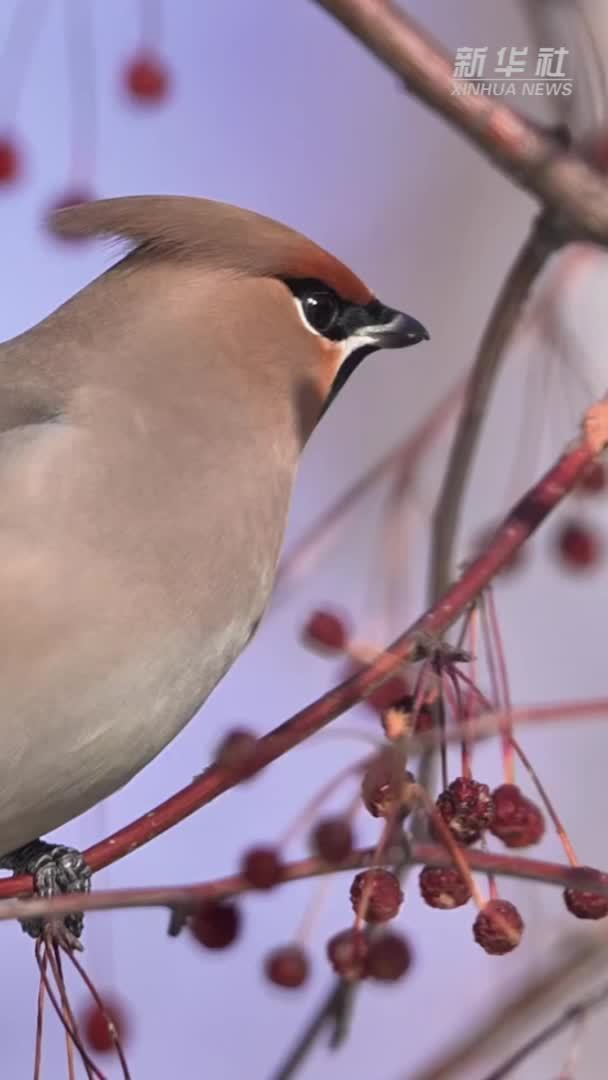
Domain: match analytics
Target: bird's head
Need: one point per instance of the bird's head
(295, 306)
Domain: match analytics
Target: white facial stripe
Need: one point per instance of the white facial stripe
(346, 347)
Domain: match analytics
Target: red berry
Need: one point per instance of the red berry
(593, 478)
(389, 957)
(215, 924)
(332, 839)
(578, 546)
(235, 748)
(327, 630)
(147, 78)
(376, 894)
(262, 868)
(287, 966)
(498, 927)
(347, 952)
(518, 822)
(466, 807)
(103, 1028)
(443, 887)
(10, 160)
(386, 789)
(585, 904)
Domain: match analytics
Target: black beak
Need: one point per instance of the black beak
(385, 328)
(376, 327)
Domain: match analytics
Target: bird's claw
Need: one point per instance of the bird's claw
(56, 869)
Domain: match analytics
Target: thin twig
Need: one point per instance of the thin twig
(500, 329)
(569, 1016)
(575, 959)
(189, 897)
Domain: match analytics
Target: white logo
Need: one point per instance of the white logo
(514, 71)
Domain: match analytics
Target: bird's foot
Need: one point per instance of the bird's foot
(56, 869)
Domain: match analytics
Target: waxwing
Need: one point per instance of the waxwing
(150, 430)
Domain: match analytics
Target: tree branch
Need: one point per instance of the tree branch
(189, 897)
(562, 181)
(501, 326)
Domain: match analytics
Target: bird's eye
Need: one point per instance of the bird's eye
(321, 310)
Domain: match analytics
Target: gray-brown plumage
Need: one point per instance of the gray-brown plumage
(150, 430)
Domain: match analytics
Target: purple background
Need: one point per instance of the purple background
(277, 109)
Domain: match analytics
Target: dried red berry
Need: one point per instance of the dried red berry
(517, 821)
(466, 807)
(102, 1028)
(332, 839)
(389, 957)
(235, 748)
(326, 630)
(498, 927)
(348, 952)
(262, 868)
(215, 924)
(593, 478)
(579, 547)
(10, 160)
(376, 894)
(585, 904)
(287, 966)
(443, 887)
(386, 789)
(147, 78)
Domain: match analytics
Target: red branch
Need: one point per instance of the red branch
(188, 897)
(523, 519)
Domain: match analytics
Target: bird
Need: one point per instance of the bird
(150, 432)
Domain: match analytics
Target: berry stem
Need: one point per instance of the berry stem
(308, 812)
(454, 849)
(546, 801)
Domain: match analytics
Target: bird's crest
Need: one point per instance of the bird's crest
(216, 234)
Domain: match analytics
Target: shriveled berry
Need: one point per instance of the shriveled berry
(327, 631)
(585, 904)
(579, 547)
(103, 1028)
(376, 895)
(10, 160)
(332, 839)
(389, 957)
(466, 807)
(147, 78)
(262, 868)
(287, 966)
(517, 821)
(348, 952)
(215, 924)
(235, 749)
(443, 887)
(498, 927)
(387, 789)
(593, 478)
